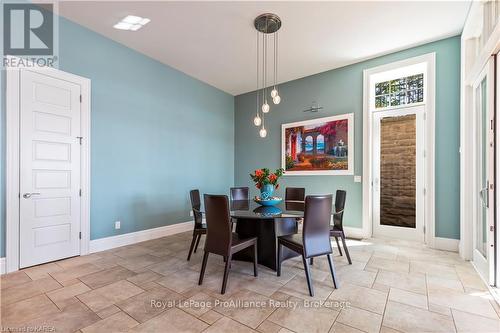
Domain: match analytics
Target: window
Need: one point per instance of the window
(320, 143)
(402, 91)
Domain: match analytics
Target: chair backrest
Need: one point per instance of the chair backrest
(295, 193)
(316, 229)
(338, 217)
(218, 224)
(196, 206)
(239, 193)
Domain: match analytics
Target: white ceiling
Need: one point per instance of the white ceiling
(215, 42)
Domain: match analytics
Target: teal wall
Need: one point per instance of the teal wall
(341, 91)
(156, 134)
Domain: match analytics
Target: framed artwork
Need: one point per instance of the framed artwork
(323, 146)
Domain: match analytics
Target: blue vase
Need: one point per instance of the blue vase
(266, 191)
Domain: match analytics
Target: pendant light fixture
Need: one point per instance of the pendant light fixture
(266, 25)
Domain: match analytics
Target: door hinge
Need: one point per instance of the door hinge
(80, 98)
(424, 229)
(425, 115)
(425, 191)
(80, 235)
(425, 153)
(80, 192)
(492, 228)
(80, 138)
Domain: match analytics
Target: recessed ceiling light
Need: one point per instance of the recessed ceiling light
(132, 22)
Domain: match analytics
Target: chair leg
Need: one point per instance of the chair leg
(332, 271)
(255, 273)
(278, 269)
(338, 245)
(191, 247)
(203, 266)
(346, 250)
(226, 273)
(197, 242)
(308, 276)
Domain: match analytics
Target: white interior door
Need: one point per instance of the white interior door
(484, 155)
(49, 169)
(398, 178)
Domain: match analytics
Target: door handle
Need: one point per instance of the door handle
(29, 195)
(483, 197)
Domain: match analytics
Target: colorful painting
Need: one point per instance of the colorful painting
(323, 146)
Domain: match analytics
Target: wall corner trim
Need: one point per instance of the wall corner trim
(111, 242)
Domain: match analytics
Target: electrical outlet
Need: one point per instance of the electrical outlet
(357, 179)
(191, 213)
(117, 225)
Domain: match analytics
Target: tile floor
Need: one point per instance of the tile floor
(392, 286)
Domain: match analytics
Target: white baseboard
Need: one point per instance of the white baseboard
(2, 265)
(353, 232)
(446, 244)
(107, 243)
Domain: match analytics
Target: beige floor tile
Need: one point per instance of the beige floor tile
(358, 277)
(108, 312)
(75, 272)
(22, 312)
(437, 282)
(361, 319)
(407, 318)
(407, 297)
(71, 319)
(462, 302)
(13, 279)
(78, 261)
(28, 290)
(361, 297)
(198, 304)
(168, 265)
(269, 327)
(227, 325)
(341, 328)
(42, 271)
(298, 287)
(304, 319)
(143, 280)
(61, 295)
(472, 281)
(444, 310)
(249, 315)
(99, 299)
(429, 268)
(105, 277)
(131, 251)
(172, 321)
(388, 265)
(137, 263)
(414, 282)
(119, 322)
(264, 286)
(210, 317)
(183, 280)
(469, 323)
(140, 307)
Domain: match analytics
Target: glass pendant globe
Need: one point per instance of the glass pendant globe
(257, 121)
(265, 107)
(274, 93)
(263, 132)
(277, 99)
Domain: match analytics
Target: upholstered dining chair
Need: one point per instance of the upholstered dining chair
(315, 238)
(199, 228)
(295, 194)
(239, 193)
(220, 238)
(337, 229)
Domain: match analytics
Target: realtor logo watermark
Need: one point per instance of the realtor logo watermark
(29, 34)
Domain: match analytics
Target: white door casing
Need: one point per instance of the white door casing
(387, 231)
(483, 172)
(14, 235)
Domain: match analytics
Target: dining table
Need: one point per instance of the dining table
(266, 223)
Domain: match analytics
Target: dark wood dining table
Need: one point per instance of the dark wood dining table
(267, 224)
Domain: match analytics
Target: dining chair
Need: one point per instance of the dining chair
(199, 228)
(295, 194)
(220, 238)
(337, 229)
(239, 193)
(315, 238)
